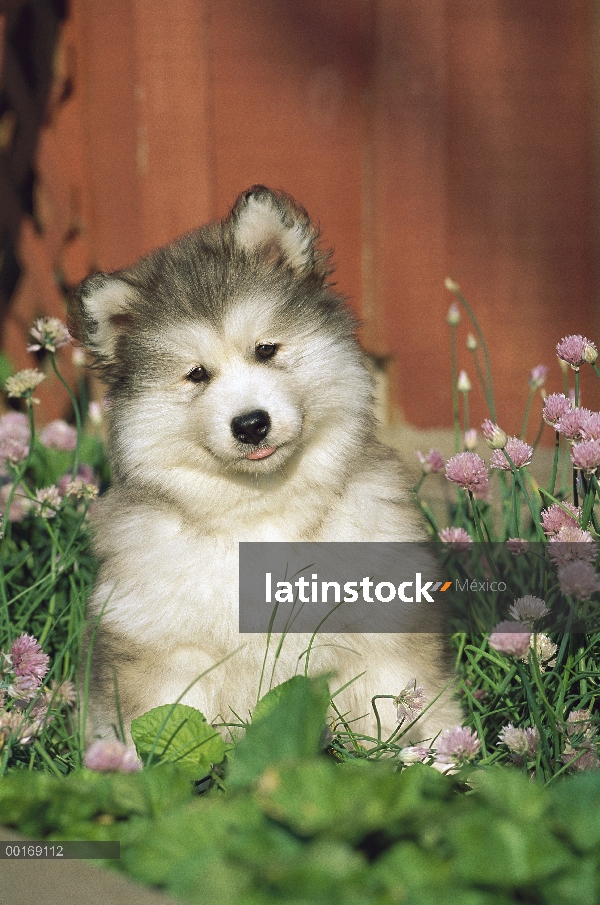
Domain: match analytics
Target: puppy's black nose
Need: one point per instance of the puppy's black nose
(252, 427)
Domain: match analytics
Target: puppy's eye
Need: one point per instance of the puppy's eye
(197, 375)
(264, 351)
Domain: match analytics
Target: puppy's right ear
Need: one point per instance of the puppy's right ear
(100, 309)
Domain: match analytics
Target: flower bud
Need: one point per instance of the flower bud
(494, 435)
(472, 343)
(463, 384)
(590, 353)
(450, 285)
(453, 316)
(471, 439)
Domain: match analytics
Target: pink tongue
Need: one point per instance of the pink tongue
(262, 453)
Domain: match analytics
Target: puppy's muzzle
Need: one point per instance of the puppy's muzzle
(251, 427)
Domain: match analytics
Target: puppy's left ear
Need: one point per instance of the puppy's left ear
(279, 230)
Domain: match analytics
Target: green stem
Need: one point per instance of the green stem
(76, 412)
(588, 504)
(481, 538)
(466, 410)
(517, 474)
(484, 349)
(526, 414)
(576, 388)
(554, 464)
(455, 411)
(419, 483)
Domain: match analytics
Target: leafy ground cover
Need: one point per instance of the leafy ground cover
(300, 808)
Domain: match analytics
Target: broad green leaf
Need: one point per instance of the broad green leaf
(178, 734)
(320, 797)
(290, 727)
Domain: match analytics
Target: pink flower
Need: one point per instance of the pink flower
(13, 451)
(517, 546)
(579, 723)
(415, 754)
(14, 426)
(457, 745)
(555, 406)
(575, 350)
(410, 702)
(47, 501)
(537, 377)
(573, 423)
(524, 742)
(494, 435)
(586, 455)
(555, 518)
(578, 579)
(528, 609)
(59, 435)
(519, 452)
(510, 638)
(591, 428)
(432, 463)
(456, 538)
(107, 755)
(84, 473)
(468, 471)
(20, 505)
(24, 688)
(572, 543)
(28, 658)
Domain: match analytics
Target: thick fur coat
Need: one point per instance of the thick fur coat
(240, 408)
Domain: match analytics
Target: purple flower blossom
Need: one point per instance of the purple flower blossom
(85, 474)
(28, 658)
(555, 518)
(432, 463)
(528, 609)
(519, 452)
(537, 377)
(555, 406)
(456, 538)
(591, 428)
(585, 455)
(24, 688)
(410, 702)
(524, 742)
(47, 501)
(575, 350)
(573, 423)
(579, 723)
(20, 505)
(415, 754)
(107, 755)
(13, 451)
(14, 426)
(59, 435)
(468, 471)
(517, 546)
(578, 579)
(457, 745)
(572, 543)
(510, 638)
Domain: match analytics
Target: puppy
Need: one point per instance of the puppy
(240, 409)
